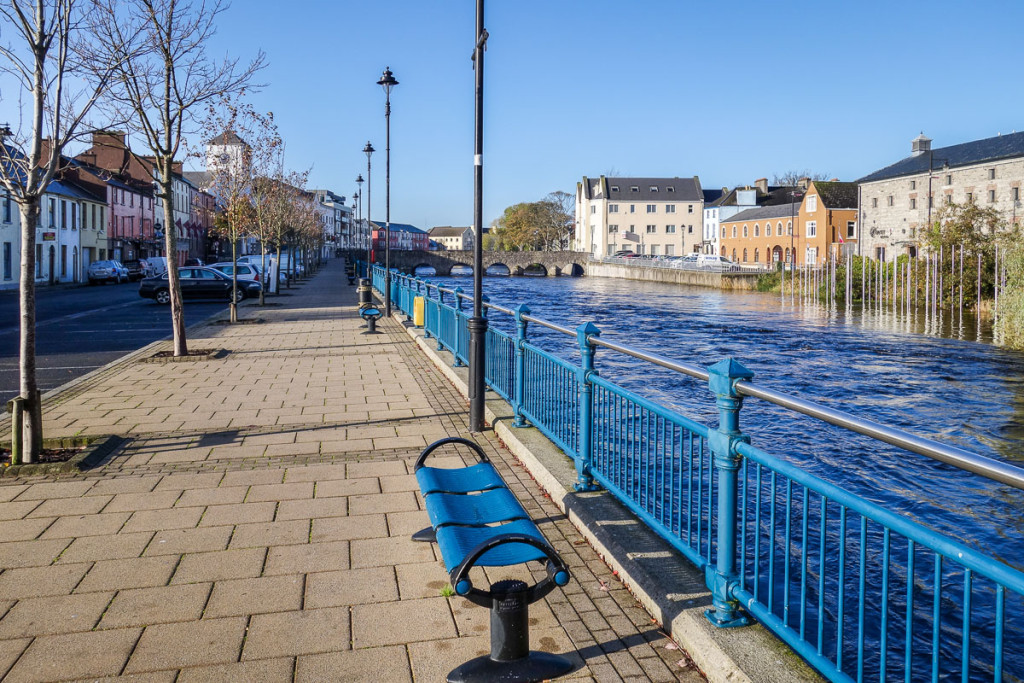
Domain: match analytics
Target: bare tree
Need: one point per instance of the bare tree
(160, 87)
(42, 64)
(793, 178)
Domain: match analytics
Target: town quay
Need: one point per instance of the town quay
(255, 524)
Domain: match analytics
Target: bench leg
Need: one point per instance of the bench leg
(427, 535)
(511, 660)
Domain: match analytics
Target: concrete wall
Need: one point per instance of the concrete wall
(698, 278)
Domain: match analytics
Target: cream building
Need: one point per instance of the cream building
(897, 201)
(656, 216)
(452, 238)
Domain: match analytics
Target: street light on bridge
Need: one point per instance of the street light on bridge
(388, 82)
(478, 323)
(359, 217)
(371, 248)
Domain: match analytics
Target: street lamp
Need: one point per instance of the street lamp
(359, 218)
(478, 323)
(369, 210)
(388, 82)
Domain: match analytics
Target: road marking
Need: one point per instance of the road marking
(73, 316)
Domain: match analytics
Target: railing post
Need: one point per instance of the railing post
(519, 384)
(585, 427)
(722, 576)
(426, 309)
(458, 327)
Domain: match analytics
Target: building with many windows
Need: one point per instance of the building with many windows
(404, 237)
(656, 216)
(900, 199)
(452, 238)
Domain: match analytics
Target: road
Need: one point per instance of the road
(82, 328)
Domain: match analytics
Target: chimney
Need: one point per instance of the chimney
(803, 183)
(44, 150)
(109, 138)
(762, 185)
(920, 145)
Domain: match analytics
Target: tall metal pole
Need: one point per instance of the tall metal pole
(358, 232)
(370, 246)
(478, 323)
(387, 81)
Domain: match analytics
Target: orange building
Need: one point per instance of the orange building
(823, 223)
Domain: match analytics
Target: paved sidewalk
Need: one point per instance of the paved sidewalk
(256, 525)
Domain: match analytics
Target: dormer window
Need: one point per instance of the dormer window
(615, 188)
(670, 189)
(634, 188)
(654, 188)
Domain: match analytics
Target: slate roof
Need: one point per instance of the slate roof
(400, 227)
(712, 196)
(447, 231)
(201, 179)
(837, 195)
(965, 154)
(776, 196)
(762, 213)
(669, 189)
(228, 137)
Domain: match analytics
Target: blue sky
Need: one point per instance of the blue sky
(727, 91)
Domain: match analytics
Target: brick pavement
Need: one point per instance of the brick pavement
(256, 524)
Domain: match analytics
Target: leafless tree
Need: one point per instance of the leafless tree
(41, 69)
(793, 178)
(160, 88)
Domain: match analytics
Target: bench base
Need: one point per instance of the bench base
(535, 666)
(427, 535)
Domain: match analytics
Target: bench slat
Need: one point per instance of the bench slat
(456, 542)
(479, 477)
(486, 507)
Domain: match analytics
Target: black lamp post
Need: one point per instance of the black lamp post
(387, 81)
(359, 219)
(369, 210)
(478, 323)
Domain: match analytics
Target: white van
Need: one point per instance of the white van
(714, 262)
(154, 266)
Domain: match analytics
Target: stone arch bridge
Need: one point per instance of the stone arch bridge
(553, 263)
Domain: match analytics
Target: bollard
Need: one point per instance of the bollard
(371, 316)
(721, 576)
(364, 291)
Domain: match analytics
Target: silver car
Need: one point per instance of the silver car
(106, 271)
(244, 271)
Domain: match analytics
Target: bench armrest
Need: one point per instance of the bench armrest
(447, 440)
(557, 571)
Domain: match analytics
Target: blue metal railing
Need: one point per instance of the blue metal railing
(859, 591)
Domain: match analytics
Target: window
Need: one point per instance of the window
(991, 196)
(74, 216)
(63, 260)
(757, 230)
(789, 227)
(745, 230)
(812, 229)
(812, 203)
(890, 200)
(670, 208)
(51, 211)
(991, 174)
(949, 179)
(7, 206)
(593, 209)
(734, 231)
(913, 184)
(874, 202)
(615, 188)
(689, 208)
(768, 230)
(652, 208)
(670, 189)
(949, 199)
(689, 229)
(613, 208)
(723, 231)
(93, 216)
(652, 229)
(755, 255)
(7, 261)
(744, 255)
(1015, 194)
(851, 229)
(670, 229)
(654, 250)
(613, 228)
(654, 188)
(634, 188)
(63, 215)
(632, 208)
(970, 197)
(913, 203)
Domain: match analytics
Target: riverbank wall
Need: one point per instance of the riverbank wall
(699, 278)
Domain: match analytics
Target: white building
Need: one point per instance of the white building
(452, 238)
(656, 216)
(898, 200)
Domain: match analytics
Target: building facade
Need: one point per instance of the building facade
(896, 202)
(403, 237)
(452, 238)
(656, 216)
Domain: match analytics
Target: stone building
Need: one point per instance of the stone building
(898, 200)
(656, 216)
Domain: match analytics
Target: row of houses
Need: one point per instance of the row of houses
(808, 221)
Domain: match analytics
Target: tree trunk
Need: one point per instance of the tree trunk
(32, 431)
(234, 281)
(266, 273)
(171, 243)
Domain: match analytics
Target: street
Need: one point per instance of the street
(79, 329)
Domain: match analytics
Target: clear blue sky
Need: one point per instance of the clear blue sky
(730, 91)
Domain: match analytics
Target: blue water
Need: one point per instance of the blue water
(941, 379)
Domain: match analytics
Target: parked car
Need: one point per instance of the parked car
(154, 266)
(106, 271)
(622, 253)
(194, 262)
(136, 270)
(245, 271)
(197, 283)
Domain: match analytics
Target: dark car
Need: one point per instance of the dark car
(135, 270)
(194, 262)
(197, 283)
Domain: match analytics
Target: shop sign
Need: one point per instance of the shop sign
(49, 236)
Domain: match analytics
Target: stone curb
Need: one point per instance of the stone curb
(97, 448)
(666, 584)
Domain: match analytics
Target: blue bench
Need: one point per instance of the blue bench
(476, 521)
(371, 315)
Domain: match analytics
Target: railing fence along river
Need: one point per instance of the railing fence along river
(875, 553)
